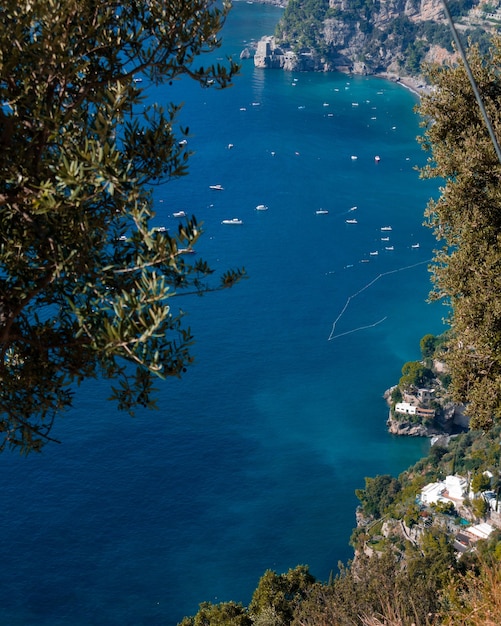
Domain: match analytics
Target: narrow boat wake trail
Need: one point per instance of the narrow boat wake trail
(333, 334)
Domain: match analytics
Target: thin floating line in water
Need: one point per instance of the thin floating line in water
(350, 298)
(348, 332)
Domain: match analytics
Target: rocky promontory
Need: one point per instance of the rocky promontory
(424, 411)
(392, 38)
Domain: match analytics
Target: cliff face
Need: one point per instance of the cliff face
(368, 46)
(387, 36)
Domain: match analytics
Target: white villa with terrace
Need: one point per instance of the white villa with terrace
(453, 489)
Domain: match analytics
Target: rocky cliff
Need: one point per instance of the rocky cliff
(356, 36)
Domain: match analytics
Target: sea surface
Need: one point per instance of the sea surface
(252, 460)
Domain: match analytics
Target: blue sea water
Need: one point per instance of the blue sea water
(252, 460)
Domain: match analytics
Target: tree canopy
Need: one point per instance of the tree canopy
(378, 495)
(414, 374)
(86, 281)
(466, 218)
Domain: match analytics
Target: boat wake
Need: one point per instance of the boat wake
(334, 335)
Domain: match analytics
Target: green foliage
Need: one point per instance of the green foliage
(480, 482)
(445, 508)
(435, 559)
(396, 395)
(411, 515)
(223, 614)
(278, 595)
(379, 493)
(375, 591)
(86, 283)
(415, 374)
(437, 452)
(458, 8)
(466, 219)
(428, 344)
(302, 22)
(479, 507)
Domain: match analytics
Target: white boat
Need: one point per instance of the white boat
(321, 212)
(389, 248)
(351, 221)
(179, 214)
(235, 220)
(354, 158)
(353, 208)
(374, 253)
(377, 158)
(386, 228)
(216, 187)
(415, 245)
(385, 239)
(261, 207)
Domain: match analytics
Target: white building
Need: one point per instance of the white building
(456, 487)
(432, 493)
(452, 489)
(480, 531)
(405, 407)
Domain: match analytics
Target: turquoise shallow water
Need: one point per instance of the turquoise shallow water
(253, 458)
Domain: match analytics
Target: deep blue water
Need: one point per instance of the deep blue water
(253, 458)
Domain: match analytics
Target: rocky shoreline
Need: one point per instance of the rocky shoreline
(267, 55)
(415, 84)
(449, 419)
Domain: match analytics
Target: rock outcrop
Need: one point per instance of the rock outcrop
(371, 40)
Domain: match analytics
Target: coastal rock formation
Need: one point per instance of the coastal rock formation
(448, 419)
(391, 37)
(269, 55)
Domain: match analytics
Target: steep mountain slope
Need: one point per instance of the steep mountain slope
(363, 37)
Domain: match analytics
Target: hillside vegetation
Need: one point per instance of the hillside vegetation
(368, 37)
